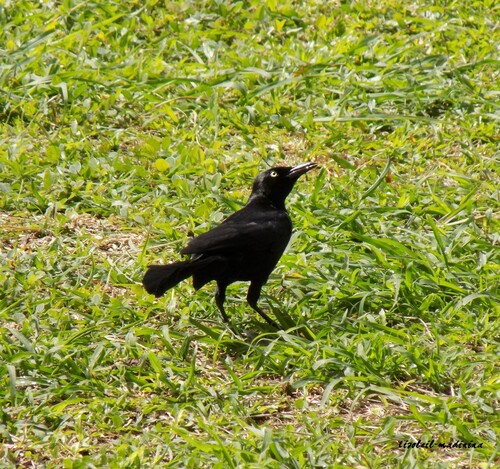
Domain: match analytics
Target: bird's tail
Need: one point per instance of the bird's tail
(160, 278)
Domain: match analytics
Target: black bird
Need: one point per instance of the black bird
(244, 247)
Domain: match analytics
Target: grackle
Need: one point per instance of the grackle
(244, 247)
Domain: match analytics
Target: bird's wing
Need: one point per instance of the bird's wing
(229, 236)
(245, 229)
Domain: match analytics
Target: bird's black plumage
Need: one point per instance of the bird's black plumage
(244, 247)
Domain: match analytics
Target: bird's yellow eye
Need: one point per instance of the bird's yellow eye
(274, 174)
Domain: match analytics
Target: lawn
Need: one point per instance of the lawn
(127, 126)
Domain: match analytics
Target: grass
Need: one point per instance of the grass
(126, 125)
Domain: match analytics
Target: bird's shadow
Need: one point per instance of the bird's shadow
(238, 336)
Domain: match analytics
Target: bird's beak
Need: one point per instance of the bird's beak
(300, 169)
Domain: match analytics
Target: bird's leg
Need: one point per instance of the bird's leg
(252, 298)
(220, 296)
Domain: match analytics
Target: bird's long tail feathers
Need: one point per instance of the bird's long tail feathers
(160, 278)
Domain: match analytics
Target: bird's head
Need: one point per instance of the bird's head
(276, 183)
